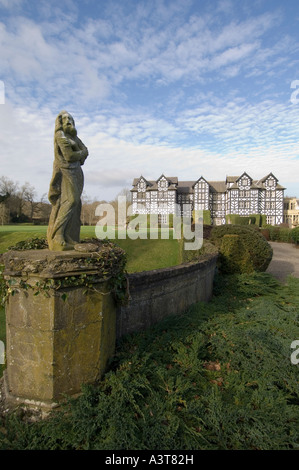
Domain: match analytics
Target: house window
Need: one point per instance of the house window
(162, 218)
(270, 220)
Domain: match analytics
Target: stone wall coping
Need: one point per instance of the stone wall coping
(48, 264)
(156, 275)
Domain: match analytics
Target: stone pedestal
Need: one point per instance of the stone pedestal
(60, 333)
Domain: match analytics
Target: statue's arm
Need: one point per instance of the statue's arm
(67, 151)
(84, 149)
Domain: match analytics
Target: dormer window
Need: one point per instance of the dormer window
(163, 184)
(141, 186)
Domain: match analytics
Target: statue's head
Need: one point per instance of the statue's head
(66, 123)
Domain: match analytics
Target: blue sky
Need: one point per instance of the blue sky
(186, 88)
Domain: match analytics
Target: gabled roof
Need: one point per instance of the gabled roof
(136, 181)
(170, 179)
(185, 186)
(231, 179)
(244, 174)
(266, 177)
(200, 179)
(233, 186)
(215, 186)
(218, 186)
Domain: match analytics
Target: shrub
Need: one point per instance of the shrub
(207, 229)
(295, 235)
(255, 245)
(279, 234)
(235, 219)
(207, 217)
(207, 249)
(257, 219)
(266, 233)
(285, 235)
(233, 256)
(263, 220)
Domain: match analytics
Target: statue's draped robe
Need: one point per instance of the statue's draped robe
(65, 191)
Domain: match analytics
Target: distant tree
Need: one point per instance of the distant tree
(88, 210)
(42, 210)
(4, 213)
(19, 202)
(128, 195)
(8, 190)
(27, 195)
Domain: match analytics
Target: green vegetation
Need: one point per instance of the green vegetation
(2, 334)
(233, 257)
(142, 254)
(281, 234)
(217, 377)
(206, 216)
(253, 219)
(254, 251)
(12, 237)
(295, 235)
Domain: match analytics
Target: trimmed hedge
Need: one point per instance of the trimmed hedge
(279, 234)
(206, 217)
(233, 256)
(252, 245)
(295, 235)
(187, 256)
(252, 219)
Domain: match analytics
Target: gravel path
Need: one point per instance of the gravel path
(285, 260)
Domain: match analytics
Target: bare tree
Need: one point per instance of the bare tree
(88, 210)
(8, 190)
(125, 192)
(29, 195)
(4, 213)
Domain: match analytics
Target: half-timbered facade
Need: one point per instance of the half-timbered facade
(236, 195)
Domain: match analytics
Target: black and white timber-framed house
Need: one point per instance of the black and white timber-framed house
(236, 195)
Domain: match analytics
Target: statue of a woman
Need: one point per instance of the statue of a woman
(66, 185)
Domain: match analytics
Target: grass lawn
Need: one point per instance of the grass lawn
(142, 254)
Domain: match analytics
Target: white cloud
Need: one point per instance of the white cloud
(153, 90)
(10, 4)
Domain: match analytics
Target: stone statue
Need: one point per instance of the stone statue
(66, 185)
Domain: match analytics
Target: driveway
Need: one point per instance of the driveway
(285, 260)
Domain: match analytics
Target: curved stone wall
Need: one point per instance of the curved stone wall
(157, 294)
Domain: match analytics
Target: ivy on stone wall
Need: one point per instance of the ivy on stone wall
(108, 261)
